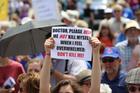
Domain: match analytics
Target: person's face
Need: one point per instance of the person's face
(117, 13)
(132, 34)
(111, 65)
(133, 88)
(70, 2)
(66, 89)
(34, 67)
(86, 86)
(105, 31)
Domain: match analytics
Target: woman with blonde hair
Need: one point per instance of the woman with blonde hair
(29, 82)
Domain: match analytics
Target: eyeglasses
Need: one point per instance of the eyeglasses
(132, 88)
(108, 59)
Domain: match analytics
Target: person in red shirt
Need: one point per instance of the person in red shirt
(9, 68)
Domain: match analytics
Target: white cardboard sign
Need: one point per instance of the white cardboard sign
(71, 43)
(45, 9)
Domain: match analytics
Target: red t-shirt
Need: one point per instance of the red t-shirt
(13, 69)
(106, 41)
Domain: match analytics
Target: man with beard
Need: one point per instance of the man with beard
(113, 76)
(132, 31)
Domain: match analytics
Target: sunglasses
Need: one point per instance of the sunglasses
(133, 88)
(108, 60)
(116, 11)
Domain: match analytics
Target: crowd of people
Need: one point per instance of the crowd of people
(115, 65)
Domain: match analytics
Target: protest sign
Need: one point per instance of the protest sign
(71, 43)
(3, 10)
(45, 9)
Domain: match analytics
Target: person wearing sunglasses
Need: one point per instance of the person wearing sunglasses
(133, 80)
(113, 75)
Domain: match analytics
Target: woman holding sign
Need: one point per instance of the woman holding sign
(67, 86)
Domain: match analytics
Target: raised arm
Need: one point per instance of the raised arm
(45, 71)
(96, 69)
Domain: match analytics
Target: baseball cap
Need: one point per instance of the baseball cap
(84, 75)
(111, 52)
(131, 24)
(133, 76)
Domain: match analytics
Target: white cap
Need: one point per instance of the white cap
(132, 23)
(65, 15)
(73, 13)
(108, 10)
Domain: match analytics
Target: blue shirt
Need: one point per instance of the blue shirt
(121, 37)
(117, 84)
(128, 13)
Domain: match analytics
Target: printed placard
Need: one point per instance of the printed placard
(71, 43)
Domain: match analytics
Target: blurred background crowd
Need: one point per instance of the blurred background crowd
(88, 12)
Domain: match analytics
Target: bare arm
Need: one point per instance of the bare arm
(45, 71)
(96, 69)
(45, 76)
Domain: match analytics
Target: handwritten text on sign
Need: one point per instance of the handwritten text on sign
(45, 9)
(71, 43)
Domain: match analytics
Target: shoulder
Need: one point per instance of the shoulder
(124, 20)
(122, 44)
(111, 20)
(15, 63)
(123, 74)
(122, 77)
(17, 66)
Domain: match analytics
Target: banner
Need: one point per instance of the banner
(45, 9)
(4, 10)
(71, 43)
